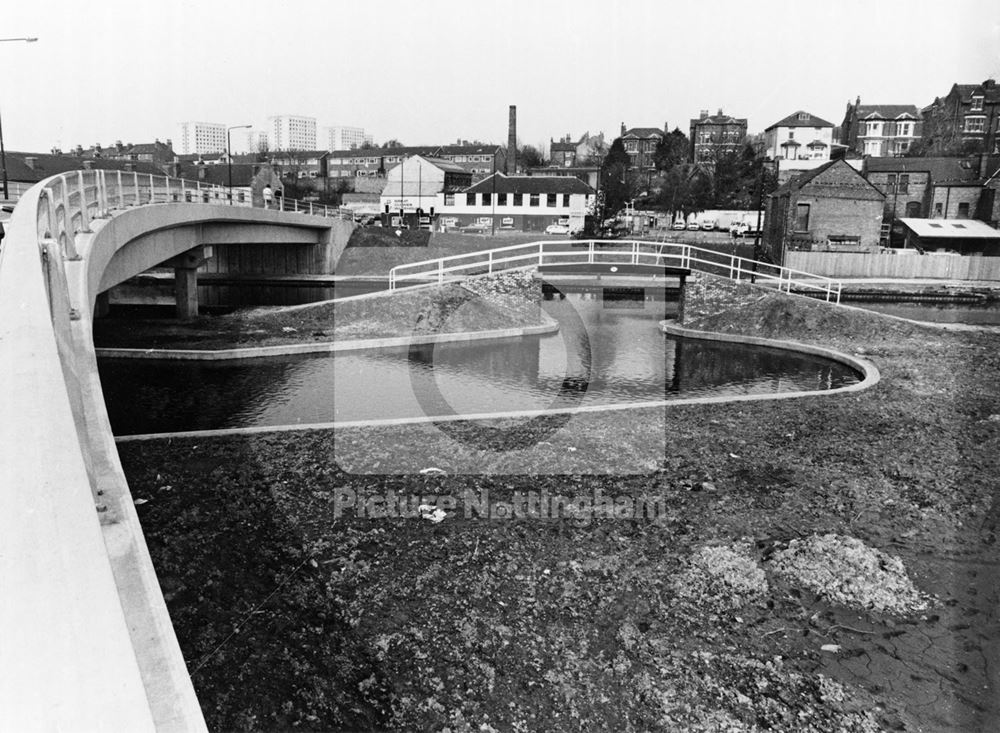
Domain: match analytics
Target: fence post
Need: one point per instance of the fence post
(490, 270)
(440, 271)
(590, 253)
(121, 191)
(135, 181)
(152, 189)
(84, 214)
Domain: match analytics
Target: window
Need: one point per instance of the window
(937, 209)
(791, 134)
(890, 186)
(487, 199)
(470, 199)
(550, 199)
(913, 209)
(977, 104)
(449, 199)
(566, 200)
(963, 210)
(518, 199)
(501, 199)
(533, 199)
(630, 146)
(904, 129)
(904, 183)
(975, 124)
(802, 217)
(875, 129)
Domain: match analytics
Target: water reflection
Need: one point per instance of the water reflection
(608, 350)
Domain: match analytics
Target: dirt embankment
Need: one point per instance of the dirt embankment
(817, 564)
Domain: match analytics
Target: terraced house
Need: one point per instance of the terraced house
(880, 130)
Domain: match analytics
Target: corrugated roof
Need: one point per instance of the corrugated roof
(951, 229)
(530, 185)
(793, 120)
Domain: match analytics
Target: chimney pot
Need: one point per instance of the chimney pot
(703, 114)
(720, 111)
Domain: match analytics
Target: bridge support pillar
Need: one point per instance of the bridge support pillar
(102, 304)
(186, 280)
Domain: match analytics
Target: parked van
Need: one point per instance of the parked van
(706, 223)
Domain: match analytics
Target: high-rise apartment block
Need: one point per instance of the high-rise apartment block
(201, 137)
(345, 138)
(291, 132)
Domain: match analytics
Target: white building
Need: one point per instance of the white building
(291, 132)
(200, 137)
(421, 183)
(525, 203)
(345, 138)
(800, 136)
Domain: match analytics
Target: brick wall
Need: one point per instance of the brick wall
(950, 198)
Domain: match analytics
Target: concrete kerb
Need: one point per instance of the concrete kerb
(865, 367)
(330, 347)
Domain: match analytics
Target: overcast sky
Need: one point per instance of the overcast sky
(432, 71)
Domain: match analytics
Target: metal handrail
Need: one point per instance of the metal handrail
(626, 252)
(70, 201)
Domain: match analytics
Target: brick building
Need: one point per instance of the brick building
(927, 187)
(830, 207)
(880, 130)
(967, 119)
(715, 135)
(640, 145)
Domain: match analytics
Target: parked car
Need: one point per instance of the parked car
(557, 229)
(678, 225)
(706, 225)
(693, 226)
(476, 228)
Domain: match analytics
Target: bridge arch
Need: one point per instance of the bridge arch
(88, 641)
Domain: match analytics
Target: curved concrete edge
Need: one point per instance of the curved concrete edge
(865, 367)
(330, 347)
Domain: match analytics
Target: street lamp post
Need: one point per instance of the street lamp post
(3, 153)
(229, 156)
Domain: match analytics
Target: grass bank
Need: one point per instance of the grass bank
(301, 598)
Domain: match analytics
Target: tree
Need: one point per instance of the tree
(618, 183)
(672, 150)
(389, 144)
(528, 156)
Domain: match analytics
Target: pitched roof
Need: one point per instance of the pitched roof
(719, 120)
(796, 183)
(793, 120)
(940, 169)
(644, 132)
(446, 165)
(45, 165)
(887, 111)
(530, 185)
(483, 149)
(562, 147)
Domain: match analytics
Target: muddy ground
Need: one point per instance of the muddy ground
(300, 601)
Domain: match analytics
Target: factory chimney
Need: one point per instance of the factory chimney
(512, 141)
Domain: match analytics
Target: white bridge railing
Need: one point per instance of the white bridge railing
(69, 201)
(618, 252)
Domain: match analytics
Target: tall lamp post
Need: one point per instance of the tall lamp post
(229, 156)
(3, 153)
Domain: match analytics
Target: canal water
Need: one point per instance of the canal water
(609, 350)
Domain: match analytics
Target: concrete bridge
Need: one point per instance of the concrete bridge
(86, 640)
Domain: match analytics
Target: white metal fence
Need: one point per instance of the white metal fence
(618, 252)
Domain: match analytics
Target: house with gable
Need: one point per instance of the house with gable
(715, 135)
(640, 145)
(880, 130)
(966, 120)
(799, 142)
(830, 208)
